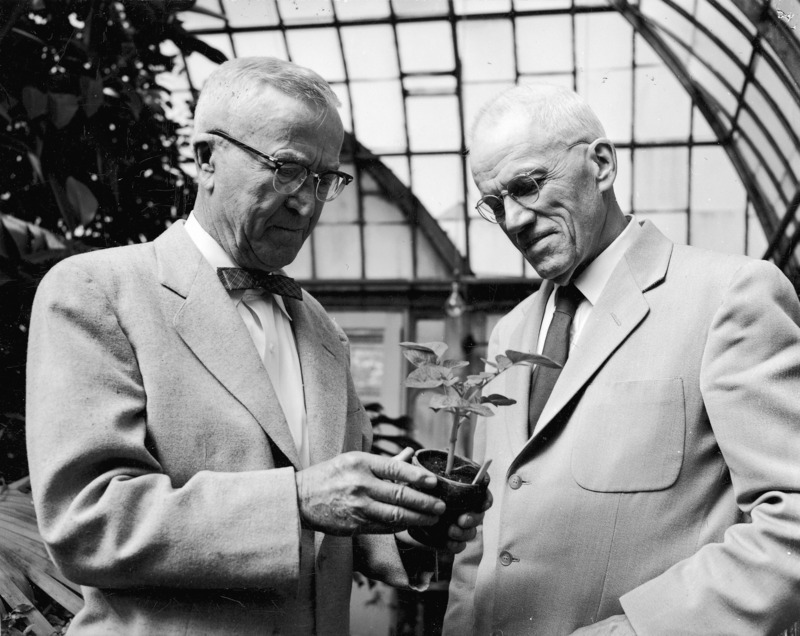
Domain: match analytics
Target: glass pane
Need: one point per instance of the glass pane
(437, 182)
(486, 49)
(622, 184)
(337, 251)
(434, 123)
(270, 43)
(768, 158)
(701, 129)
(377, 209)
(361, 9)
(730, 68)
(464, 7)
(715, 183)
(538, 5)
(248, 14)
(378, 113)
(430, 85)
(425, 47)
(491, 253)
(724, 29)
(318, 49)
(305, 12)
(371, 52)
(783, 143)
(609, 95)
(660, 179)
(662, 106)
(429, 263)
(719, 230)
(544, 44)
(672, 224)
(388, 251)
(592, 36)
(415, 8)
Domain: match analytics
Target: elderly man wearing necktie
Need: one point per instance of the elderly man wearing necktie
(195, 441)
(651, 485)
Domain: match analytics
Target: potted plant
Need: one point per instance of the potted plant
(462, 483)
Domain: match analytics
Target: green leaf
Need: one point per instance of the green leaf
(503, 362)
(92, 94)
(82, 199)
(488, 362)
(34, 101)
(436, 348)
(455, 364)
(427, 377)
(480, 409)
(479, 378)
(517, 357)
(63, 107)
(497, 400)
(448, 402)
(419, 358)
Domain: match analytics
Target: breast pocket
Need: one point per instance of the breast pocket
(630, 436)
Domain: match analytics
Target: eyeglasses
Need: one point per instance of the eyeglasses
(523, 188)
(290, 176)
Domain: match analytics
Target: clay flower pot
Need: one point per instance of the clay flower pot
(457, 491)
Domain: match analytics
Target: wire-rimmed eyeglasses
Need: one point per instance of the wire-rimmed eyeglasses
(523, 188)
(290, 176)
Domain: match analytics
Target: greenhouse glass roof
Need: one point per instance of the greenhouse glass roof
(701, 98)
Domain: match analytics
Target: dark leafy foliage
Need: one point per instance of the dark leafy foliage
(89, 156)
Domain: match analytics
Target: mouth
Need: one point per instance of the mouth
(527, 242)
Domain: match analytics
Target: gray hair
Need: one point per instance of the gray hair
(561, 112)
(242, 78)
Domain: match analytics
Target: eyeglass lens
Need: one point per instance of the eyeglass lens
(289, 177)
(524, 189)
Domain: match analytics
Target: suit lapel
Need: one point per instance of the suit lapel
(620, 308)
(209, 324)
(324, 378)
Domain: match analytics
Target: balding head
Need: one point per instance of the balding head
(556, 113)
(235, 85)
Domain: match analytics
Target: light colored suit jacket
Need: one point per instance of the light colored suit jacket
(663, 477)
(161, 463)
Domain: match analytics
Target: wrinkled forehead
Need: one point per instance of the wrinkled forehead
(508, 143)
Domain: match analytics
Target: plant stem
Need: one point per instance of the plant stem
(451, 449)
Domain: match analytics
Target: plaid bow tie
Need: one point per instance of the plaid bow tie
(233, 278)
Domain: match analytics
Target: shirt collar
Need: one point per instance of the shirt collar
(594, 278)
(218, 257)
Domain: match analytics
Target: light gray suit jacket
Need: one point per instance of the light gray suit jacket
(663, 477)
(161, 463)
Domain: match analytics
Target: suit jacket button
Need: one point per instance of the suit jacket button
(506, 558)
(497, 632)
(514, 482)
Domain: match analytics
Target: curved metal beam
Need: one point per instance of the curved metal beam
(702, 99)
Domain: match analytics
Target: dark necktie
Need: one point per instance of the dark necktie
(233, 278)
(556, 347)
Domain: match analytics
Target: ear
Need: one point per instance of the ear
(604, 156)
(204, 159)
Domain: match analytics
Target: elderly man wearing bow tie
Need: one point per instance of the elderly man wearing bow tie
(195, 441)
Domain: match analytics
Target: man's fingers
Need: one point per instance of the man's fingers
(398, 517)
(404, 497)
(404, 455)
(384, 468)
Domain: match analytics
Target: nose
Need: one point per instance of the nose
(304, 200)
(517, 216)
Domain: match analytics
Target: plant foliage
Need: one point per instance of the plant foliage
(461, 396)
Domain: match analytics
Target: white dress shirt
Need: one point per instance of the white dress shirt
(591, 283)
(270, 327)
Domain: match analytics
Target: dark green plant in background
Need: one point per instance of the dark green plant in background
(89, 156)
